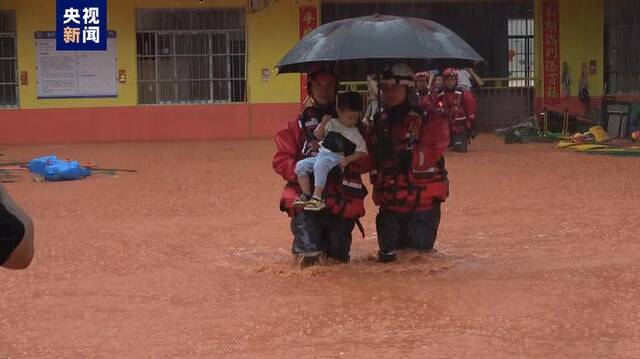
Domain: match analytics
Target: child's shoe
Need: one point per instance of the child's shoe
(302, 200)
(315, 205)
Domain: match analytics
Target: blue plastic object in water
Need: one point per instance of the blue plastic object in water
(53, 169)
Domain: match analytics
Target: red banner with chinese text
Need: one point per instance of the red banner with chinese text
(551, 51)
(308, 22)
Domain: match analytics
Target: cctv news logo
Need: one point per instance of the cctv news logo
(81, 25)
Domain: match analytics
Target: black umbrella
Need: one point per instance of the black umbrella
(379, 40)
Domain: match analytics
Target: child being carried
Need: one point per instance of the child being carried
(341, 144)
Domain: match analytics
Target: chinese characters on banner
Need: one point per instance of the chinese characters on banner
(81, 25)
(308, 22)
(551, 51)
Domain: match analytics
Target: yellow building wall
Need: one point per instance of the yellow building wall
(581, 40)
(270, 33)
(29, 21)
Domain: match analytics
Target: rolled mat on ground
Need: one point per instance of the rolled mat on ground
(53, 169)
(601, 149)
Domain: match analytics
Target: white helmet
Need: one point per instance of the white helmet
(398, 74)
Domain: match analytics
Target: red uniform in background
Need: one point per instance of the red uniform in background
(459, 108)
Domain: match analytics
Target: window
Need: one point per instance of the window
(8, 60)
(622, 35)
(521, 52)
(190, 56)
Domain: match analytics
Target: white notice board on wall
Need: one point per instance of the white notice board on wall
(74, 74)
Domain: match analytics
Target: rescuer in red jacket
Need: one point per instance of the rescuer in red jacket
(328, 232)
(408, 176)
(459, 107)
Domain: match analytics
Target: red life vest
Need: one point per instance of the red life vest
(458, 106)
(344, 192)
(403, 180)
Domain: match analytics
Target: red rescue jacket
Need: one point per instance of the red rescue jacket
(407, 148)
(458, 106)
(344, 193)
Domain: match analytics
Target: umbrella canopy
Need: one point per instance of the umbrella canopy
(379, 40)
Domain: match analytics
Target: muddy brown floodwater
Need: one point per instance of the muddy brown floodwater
(538, 257)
